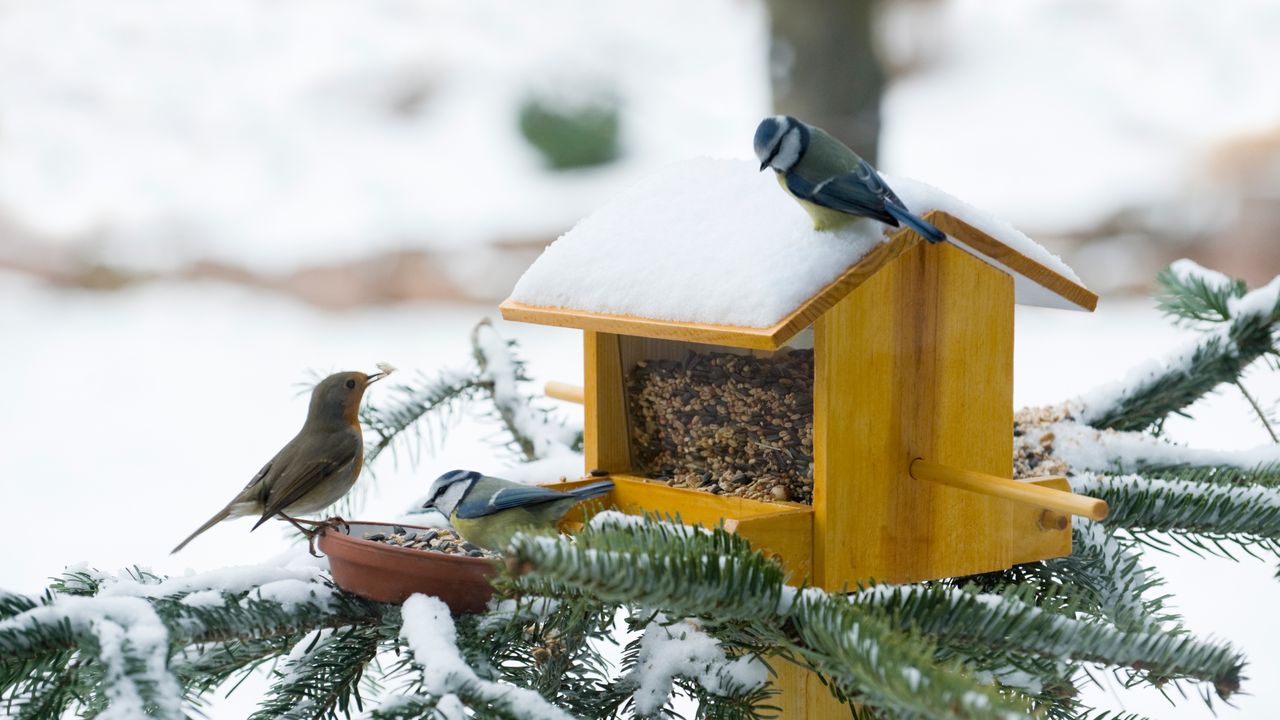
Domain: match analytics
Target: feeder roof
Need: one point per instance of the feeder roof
(714, 251)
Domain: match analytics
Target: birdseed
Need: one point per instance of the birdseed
(1033, 454)
(727, 424)
(435, 539)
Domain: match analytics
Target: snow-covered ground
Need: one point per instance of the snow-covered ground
(272, 134)
(268, 134)
(131, 417)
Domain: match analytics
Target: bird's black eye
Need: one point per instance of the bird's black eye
(351, 384)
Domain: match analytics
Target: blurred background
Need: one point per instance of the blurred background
(354, 154)
(203, 203)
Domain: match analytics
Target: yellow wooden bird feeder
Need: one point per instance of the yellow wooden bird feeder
(912, 420)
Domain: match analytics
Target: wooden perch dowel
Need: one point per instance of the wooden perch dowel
(1023, 492)
(564, 391)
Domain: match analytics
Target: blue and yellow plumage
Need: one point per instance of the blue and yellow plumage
(487, 511)
(829, 180)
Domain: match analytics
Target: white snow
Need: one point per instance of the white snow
(1002, 91)
(1186, 269)
(681, 649)
(205, 598)
(1254, 495)
(618, 519)
(279, 133)
(1099, 400)
(717, 241)
(1121, 600)
(128, 362)
(291, 593)
(127, 631)
(551, 436)
(1260, 301)
(235, 579)
(1087, 448)
(429, 632)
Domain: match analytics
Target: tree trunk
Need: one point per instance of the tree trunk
(825, 69)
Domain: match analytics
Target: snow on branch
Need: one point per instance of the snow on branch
(320, 676)
(133, 643)
(1121, 580)
(537, 433)
(429, 632)
(1199, 516)
(719, 579)
(411, 405)
(986, 623)
(124, 635)
(1112, 451)
(546, 443)
(1241, 330)
(669, 649)
(1194, 293)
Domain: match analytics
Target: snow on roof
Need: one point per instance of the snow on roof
(715, 241)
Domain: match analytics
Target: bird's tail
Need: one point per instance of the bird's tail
(586, 492)
(924, 227)
(222, 515)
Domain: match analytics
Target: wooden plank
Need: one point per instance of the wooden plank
(780, 528)
(1041, 496)
(771, 338)
(836, 290)
(917, 362)
(731, 335)
(1029, 268)
(1031, 538)
(605, 434)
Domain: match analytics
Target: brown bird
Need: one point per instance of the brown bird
(317, 467)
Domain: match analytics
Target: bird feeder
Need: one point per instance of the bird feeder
(912, 393)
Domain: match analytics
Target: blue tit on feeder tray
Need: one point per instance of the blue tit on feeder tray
(830, 180)
(488, 511)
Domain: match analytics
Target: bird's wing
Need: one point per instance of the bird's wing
(861, 192)
(310, 463)
(506, 498)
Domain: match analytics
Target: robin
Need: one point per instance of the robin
(317, 467)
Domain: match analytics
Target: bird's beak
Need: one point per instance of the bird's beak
(384, 369)
(764, 165)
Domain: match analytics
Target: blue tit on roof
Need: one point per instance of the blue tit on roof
(487, 511)
(830, 180)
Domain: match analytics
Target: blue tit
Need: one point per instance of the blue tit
(828, 179)
(487, 511)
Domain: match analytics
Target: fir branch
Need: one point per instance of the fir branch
(681, 653)
(717, 577)
(413, 404)
(431, 637)
(119, 646)
(202, 669)
(1107, 576)
(550, 646)
(1195, 294)
(324, 678)
(1201, 517)
(1265, 474)
(419, 707)
(985, 623)
(1221, 356)
(124, 636)
(497, 374)
(535, 433)
(1257, 410)
(1118, 452)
